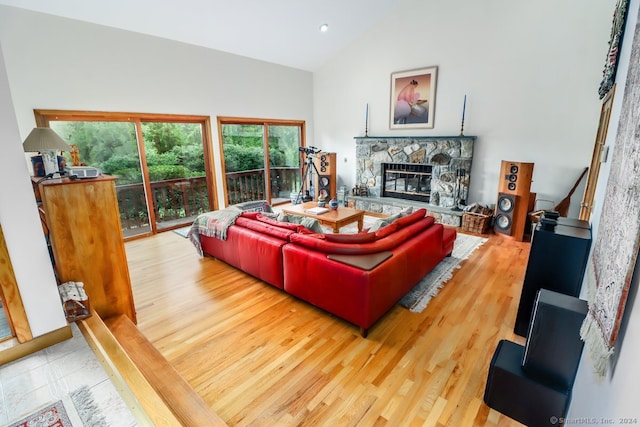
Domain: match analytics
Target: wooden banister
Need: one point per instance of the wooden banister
(166, 398)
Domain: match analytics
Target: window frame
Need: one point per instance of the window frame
(44, 117)
(265, 123)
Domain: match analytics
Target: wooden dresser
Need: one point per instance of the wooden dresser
(83, 222)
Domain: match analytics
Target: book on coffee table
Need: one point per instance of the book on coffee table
(317, 210)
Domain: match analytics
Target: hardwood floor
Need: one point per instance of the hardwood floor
(261, 357)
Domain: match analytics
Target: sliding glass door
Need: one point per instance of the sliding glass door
(176, 171)
(161, 162)
(261, 159)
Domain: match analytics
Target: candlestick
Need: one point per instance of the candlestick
(464, 108)
(366, 121)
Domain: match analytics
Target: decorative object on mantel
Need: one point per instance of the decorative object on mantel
(615, 252)
(413, 96)
(615, 43)
(366, 121)
(464, 108)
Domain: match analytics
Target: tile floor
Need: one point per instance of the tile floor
(51, 374)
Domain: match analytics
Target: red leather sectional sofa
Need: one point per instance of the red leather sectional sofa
(355, 277)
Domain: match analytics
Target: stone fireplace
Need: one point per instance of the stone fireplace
(428, 171)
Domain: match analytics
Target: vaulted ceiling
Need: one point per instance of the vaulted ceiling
(285, 32)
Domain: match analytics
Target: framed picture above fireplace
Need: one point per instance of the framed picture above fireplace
(413, 98)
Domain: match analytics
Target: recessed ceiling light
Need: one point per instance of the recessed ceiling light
(324, 28)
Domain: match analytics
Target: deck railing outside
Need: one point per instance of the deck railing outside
(249, 185)
(182, 199)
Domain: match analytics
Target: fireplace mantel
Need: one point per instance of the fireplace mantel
(449, 156)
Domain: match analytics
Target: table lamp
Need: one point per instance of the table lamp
(48, 143)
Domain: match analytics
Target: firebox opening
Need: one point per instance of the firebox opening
(408, 181)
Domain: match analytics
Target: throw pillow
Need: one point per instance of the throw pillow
(293, 227)
(385, 231)
(410, 219)
(406, 211)
(254, 206)
(311, 224)
(351, 238)
(250, 215)
(383, 222)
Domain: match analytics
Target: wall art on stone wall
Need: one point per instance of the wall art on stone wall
(413, 96)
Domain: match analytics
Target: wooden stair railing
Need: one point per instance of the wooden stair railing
(164, 396)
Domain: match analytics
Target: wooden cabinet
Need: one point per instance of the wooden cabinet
(83, 221)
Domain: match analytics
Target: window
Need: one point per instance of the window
(162, 163)
(261, 159)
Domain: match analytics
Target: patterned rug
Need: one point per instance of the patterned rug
(82, 409)
(53, 415)
(418, 297)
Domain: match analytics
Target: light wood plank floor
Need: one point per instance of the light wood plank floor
(260, 357)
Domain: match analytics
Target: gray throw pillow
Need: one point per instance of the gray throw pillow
(382, 222)
(311, 224)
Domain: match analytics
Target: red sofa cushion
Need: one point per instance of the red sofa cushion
(417, 215)
(279, 232)
(287, 225)
(387, 243)
(350, 238)
(386, 230)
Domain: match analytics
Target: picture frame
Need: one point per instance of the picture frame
(412, 100)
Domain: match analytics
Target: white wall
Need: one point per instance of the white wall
(615, 396)
(530, 70)
(58, 63)
(21, 225)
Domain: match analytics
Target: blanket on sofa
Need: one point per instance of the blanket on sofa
(212, 224)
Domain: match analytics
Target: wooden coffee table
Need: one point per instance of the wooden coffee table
(332, 218)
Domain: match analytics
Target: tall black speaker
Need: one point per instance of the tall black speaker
(557, 261)
(505, 210)
(554, 346)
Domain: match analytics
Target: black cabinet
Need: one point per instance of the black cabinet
(557, 262)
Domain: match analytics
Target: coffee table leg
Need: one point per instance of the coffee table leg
(336, 229)
(360, 223)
